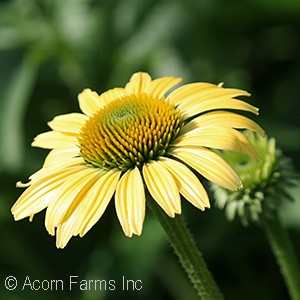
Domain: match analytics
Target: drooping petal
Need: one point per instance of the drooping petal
(162, 187)
(94, 205)
(68, 197)
(224, 119)
(66, 230)
(79, 220)
(58, 155)
(196, 98)
(158, 87)
(247, 145)
(54, 139)
(201, 91)
(138, 83)
(89, 102)
(32, 205)
(89, 210)
(68, 123)
(130, 202)
(210, 165)
(188, 91)
(54, 169)
(44, 186)
(223, 138)
(189, 110)
(187, 182)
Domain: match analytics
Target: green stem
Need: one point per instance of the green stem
(284, 253)
(187, 252)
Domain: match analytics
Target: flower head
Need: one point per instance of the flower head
(265, 182)
(131, 139)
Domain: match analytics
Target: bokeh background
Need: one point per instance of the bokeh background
(51, 49)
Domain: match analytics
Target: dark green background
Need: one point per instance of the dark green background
(51, 50)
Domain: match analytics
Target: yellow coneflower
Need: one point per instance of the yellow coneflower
(129, 139)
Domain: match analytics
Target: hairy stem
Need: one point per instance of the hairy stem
(284, 253)
(189, 256)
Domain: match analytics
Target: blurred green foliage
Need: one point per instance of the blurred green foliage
(50, 50)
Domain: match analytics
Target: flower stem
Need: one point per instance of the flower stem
(187, 252)
(284, 253)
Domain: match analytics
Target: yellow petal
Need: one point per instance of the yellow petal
(188, 91)
(158, 87)
(94, 205)
(69, 123)
(90, 205)
(201, 91)
(138, 83)
(162, 187)
(224, 119)
(66, 230)
(130, 202)
(58, 155)
(218, 138)
(111, 95)
(192, 109)
(89, 210)
(36, 197)
(89, 102)
(246, 145)
(68, 197)
(196, 98)
(53, 139)
(54, 169)
(210, 165)
(187, 182)
(23, 209)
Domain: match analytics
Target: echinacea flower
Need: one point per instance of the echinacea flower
(266, 183)
(131, 139)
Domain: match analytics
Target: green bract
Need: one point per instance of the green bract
(265, 182)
